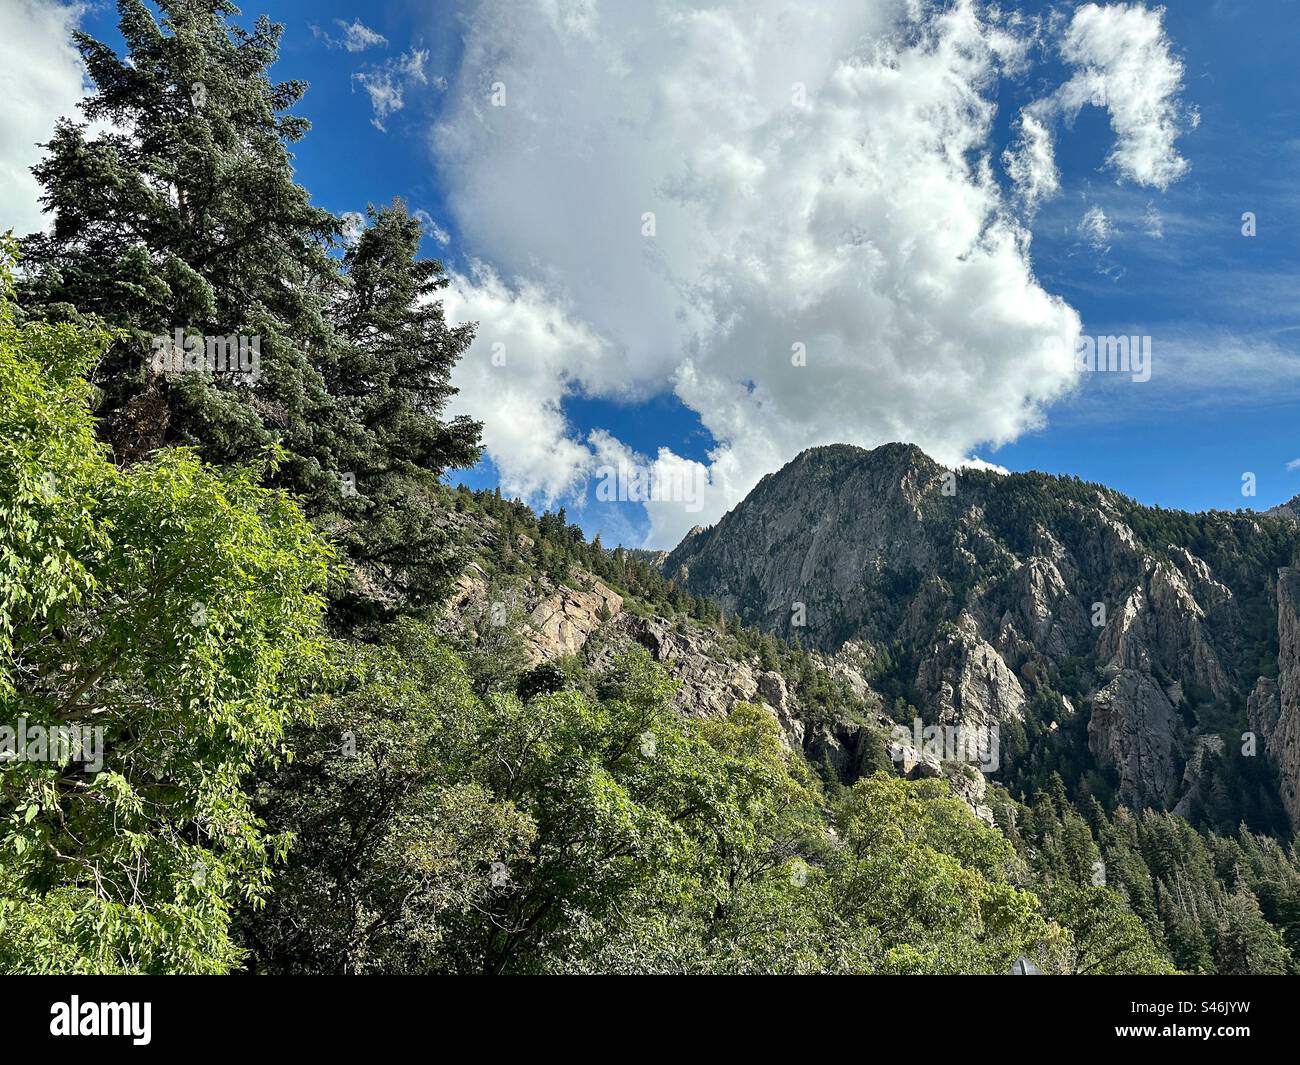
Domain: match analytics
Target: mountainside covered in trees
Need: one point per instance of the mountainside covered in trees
(1148, 655)
(1209, 900)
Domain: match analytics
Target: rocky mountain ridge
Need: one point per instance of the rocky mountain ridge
(1034, 602)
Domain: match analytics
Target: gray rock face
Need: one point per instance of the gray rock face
(1135, 728)
(1048, 614)
(970, 785)
(999, 589)
(559, 619)
(972, 685)
(586, 617)
(819, 534)
(1289, 509)
(1274, 707)
(711, 683)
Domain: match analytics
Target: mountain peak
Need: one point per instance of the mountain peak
(1289, 509)
(891, 453)
(894, 461)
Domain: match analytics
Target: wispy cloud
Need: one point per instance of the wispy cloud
(357, 36)
(1124, 62)
(386, 85)
(431, 228)
(1096, 228)
(1190, 371)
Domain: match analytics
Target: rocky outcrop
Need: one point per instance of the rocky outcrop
(585, 617)
(561, 623)
(971, 786)
(994, 590)
(1135, 728)
(1192, 790)
(1051, 618)
(1274, 707)
(710, 683)
(798, 556)
(1289, 510)
(558, 619)
(970, 682)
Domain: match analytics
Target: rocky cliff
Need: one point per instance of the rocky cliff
(1274, 706)
(1029, 602)
(584, 617)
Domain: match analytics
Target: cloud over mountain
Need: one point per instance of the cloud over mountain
(789, 218)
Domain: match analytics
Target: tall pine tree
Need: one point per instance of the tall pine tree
(393, 382)
(179, 210)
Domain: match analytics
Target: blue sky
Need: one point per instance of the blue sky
(1131, 251)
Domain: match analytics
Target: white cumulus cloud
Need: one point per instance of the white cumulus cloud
(528, 355)
(832, 258)
(41, 80)
(1124, 62)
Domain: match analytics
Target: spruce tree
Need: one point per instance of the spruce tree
(184, 214)
(392, 383)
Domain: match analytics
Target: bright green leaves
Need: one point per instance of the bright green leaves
(164, 617)
(597, 830)
(937, 886)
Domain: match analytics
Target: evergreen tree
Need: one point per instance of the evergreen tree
(392, 382)
(1246, 944)
(185, 215)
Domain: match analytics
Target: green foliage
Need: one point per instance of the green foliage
(937, 887)
(1172, 895)
(395, 834)
(1108, 939)
(167, 613)
(442, 831)
(185, 215)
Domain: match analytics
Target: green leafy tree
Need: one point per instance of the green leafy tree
(393, 833)
(159, 621)
(1108, 939)
(934, 885)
